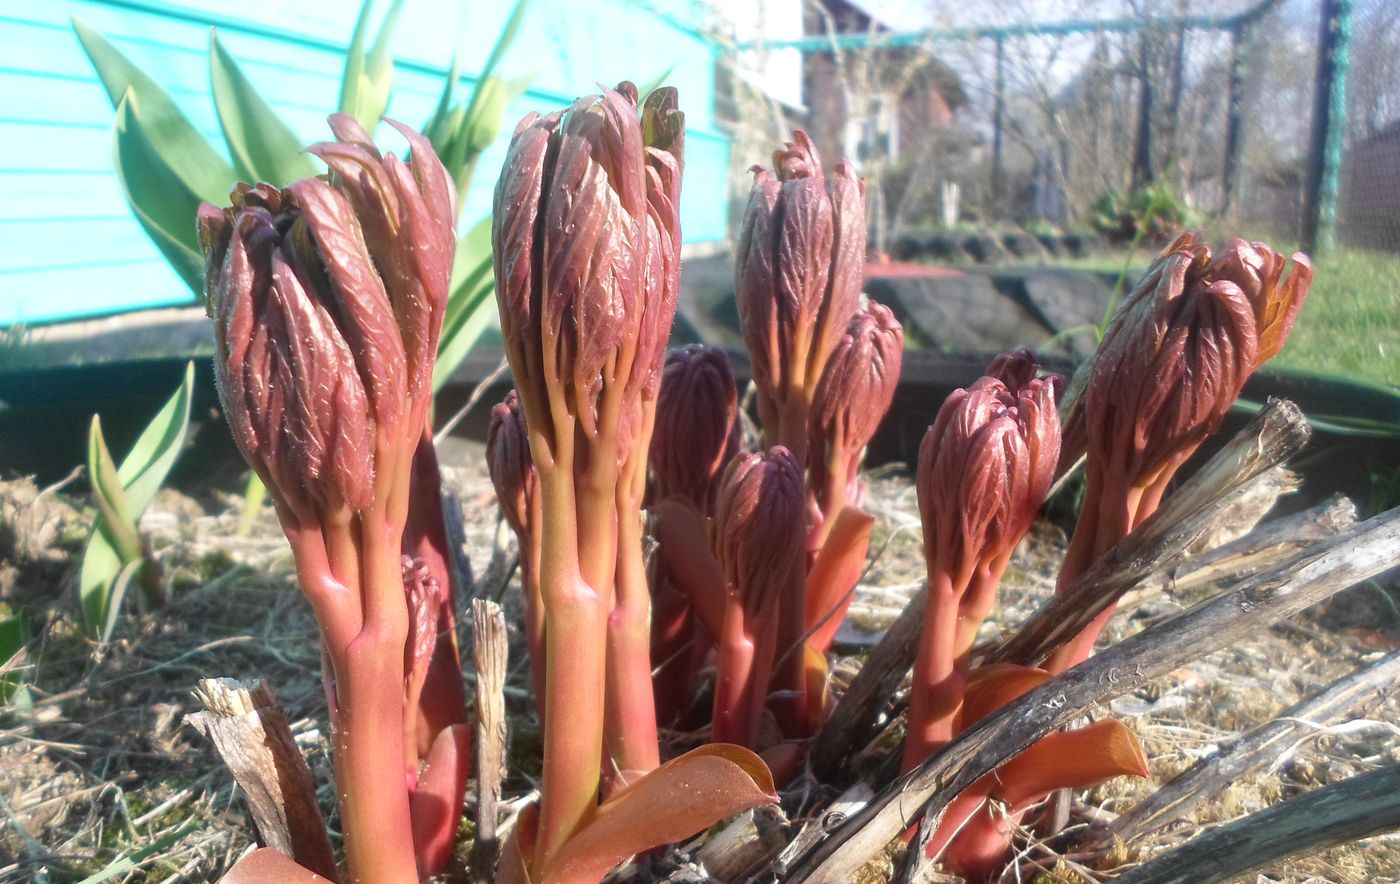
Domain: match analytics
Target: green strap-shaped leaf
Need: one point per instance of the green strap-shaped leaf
(14, 635)
(100, 567)
(145, 468)
(131, 862)
(367, 81)
(471, 305)
(439, 126)
(116, 518)
(159, 198)
(122, 495)
(503, 40)
(188, 156)
(655, 83)
(120, 584)
(262, 145)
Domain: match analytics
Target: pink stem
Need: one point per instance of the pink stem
(741, 678)
(368, 729)
(937, 688)
(789, 679)
(630, 725)
(576, 614)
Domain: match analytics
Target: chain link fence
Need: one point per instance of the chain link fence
(1368, 210)
(1186, 111)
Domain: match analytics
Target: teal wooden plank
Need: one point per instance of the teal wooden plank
(49, 244)
(80, 292)
(25, 197)
(68, 245)
(31, 96)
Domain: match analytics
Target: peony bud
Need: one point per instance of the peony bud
(1169, 370)
(854, 394)
(406, 212)
(798, 268)
(328, 299)
(586, 239)
(1014, 369)
(986, 465)
(287, 378)
(758, 527)
(508, 462)
(759, 545)
(697, 425)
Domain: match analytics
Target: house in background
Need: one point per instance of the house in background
(912, 96)
(69, 246)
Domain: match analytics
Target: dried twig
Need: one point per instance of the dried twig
(1352, 809)
(250, 733)
(1253, 750)
(748, 842)
(489, 650)
(1275, 434)
(855, 718)
(1271, 543)
(1309, 577)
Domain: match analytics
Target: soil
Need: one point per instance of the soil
(98, 773)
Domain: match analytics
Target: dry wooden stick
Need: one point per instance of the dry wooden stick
(745, 844)
(250, 733)
(489, 650)
(1271, 543)
(1275, 434)
(1355, 808)
(1309, 577)
(1254, 749)
(854, 719)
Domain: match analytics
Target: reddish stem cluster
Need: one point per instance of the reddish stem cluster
(328, 299)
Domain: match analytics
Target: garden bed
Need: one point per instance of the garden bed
(100, 767)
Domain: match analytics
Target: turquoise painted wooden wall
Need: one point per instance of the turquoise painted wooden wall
(69, 247)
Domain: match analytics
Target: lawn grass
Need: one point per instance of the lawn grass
(1350, 325)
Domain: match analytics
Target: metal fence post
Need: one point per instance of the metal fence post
(1328, 127)
(1234, 121)
(998, 120)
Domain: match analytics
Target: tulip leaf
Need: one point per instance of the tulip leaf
(186, 154)
(263, 146)
(367, 81)
(440, 125)
(14, 635)
(124, 866)
(678, 799)
(158, 197)
(115, 517)
(145, 468)
(654, 84)
(506, 37)
(458, 134)
(254, 496)
(268, 866)
(99, 571)
(122, 495)
(471, 305)
(116, 595)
